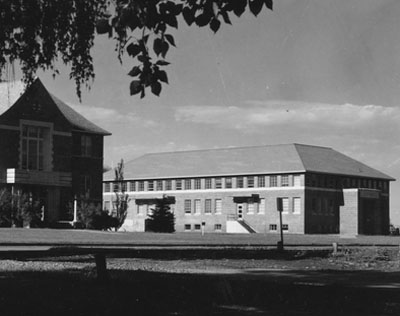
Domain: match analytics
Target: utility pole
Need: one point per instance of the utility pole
(279, 206)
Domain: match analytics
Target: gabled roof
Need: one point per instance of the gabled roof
(273, 159)
(76, 120)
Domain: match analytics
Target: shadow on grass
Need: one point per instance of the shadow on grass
(72, 292)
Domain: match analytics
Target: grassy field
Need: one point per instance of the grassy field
(59, 236)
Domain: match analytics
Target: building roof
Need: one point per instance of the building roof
(272, 159)
(77, 121)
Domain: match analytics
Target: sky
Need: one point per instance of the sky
(318, 72)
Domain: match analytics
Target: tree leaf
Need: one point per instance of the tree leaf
(164, 49)
(162, 63)
(256, 6)
(188, 15)
(133, 50)
(162, 75)
(170, 39)
(239, 6)
(158, 46)
(135, 87)
(134, 71)
(156, 88)
(102, 26)
(215, 24)
(203, 19)
(269, 4)
(226, 18)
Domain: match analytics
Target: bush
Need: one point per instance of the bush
(93, 217)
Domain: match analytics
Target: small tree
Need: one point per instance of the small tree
(121, 197)
(162, 220)
(5, 208)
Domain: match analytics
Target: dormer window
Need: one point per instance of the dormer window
(32, 147)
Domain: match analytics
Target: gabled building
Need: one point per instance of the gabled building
(51, 152)
(236, 190)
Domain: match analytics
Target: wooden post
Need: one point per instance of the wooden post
(101, 267)
(75, 210)
(335, 248)
(279, 207)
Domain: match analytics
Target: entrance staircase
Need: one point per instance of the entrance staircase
(238, 226)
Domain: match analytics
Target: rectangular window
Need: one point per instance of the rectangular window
(188, 227)
(217, 227)
(285, 205)
(239, 182)
(261, 206)
(159, 185)
(107, 205)
(261, 181)
(273, 181)
(107, 187)
(141, 186)
(197, 226)
(168, 185)
(197, 184)
(142, 209)
(314, 205)
(32, 148)
(188, 184)
(178, 184)
(124, 186)
(116, 186)
(150, 186)
(285, 181)
(208, 183)
(296, 181)
(250, 208)
(207, 206)
(85, 184)
(296, 205)
(218, 206)
(228, 183)
(86, 146)
(188, 206)
(285, 227)
(197, 207)
(250, 182)
(218, 183)
(273, 227)
(331, 207)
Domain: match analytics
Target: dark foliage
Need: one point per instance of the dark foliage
(162, 220)
(93, 217)
(120, 208)
(39, 32)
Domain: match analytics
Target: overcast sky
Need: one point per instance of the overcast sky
(320, 72)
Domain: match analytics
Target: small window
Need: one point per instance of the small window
(208, 183)
(296, 205)
(250, 208)
(207, 206)
(197, 207)
(273, 227)
(261, 181)
(150, 186)
(217, 227)
(197, 226)
(197, 184)
(250, 182)
(159, 185)
(141, 186)
(178, 184)
(261, 207)
(239, 182)
(228, 183)
(285, 227)
(296, 180)
(285, 205)
(132, 186)
(188, 206)
(168, 185)
(218, 183)
(107, 187)
(188, 184)
(188, 227)
(273, 181)
(285, 181)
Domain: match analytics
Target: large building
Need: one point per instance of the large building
(236, 190)
(51, 152)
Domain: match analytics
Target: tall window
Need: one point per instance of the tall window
(188, 206)
(141, 186)
(218, 183)
(261, 207)
(32, 147)
(150, 185)
(296, 180)
(250, 208)
(218, 206)
(178, 184)
(188, 184)
(228, 183)
(197, 207)
(296, 205)
(86, 146)
(197, 184)
(168, 185)
(207, 206)
(208, 183)
(273, 181)
(85, 184)
(285, 205)
(240, 182)
(132, 186)
(159, 185)
(107, 187)
(285, 181)
(261, 181)
(250, 182)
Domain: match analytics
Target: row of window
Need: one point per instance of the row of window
(206, 183)
(197, 227)
(322, 206)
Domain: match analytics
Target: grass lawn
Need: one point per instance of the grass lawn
(90, 237)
